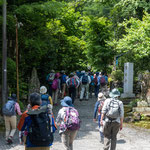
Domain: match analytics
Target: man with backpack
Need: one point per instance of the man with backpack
(72, 84)
(49, 78)
(113, 112)
(85, 81)
(9, 111)
(68, 122)
(103, 82)
(97, 83)
(38, 125)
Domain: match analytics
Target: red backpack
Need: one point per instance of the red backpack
(100, 106)
(95, 80)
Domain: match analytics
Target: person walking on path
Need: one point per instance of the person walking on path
(63, 83)
(98, 108)
(49, 78)
(46, 99)
(97, 83)
(68, 122)
(85, 81)
(38, 125)
(72, 84)
(113, 112)
(55, 88)
(9, 112)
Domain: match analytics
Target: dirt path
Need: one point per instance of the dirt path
(88, 136)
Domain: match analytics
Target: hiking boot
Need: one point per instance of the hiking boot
(102, 140)
(9, 140)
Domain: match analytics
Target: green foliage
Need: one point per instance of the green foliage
(117, 75)
(22, 106)
(135, 42)
(133, 103)
(97, 33)
(120, 90)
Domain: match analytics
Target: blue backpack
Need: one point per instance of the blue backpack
(63, 79)
(9, 108)
(84, 79)
(45, 100)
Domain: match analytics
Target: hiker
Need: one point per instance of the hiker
(9, 112)
(55, 88)
(72, 84)
(113, 112)
(103, 82)
(68, 122)
(63, 83)
(49, 78)
(91, 88)
(46, 99)
(85, 81)
(37, 124)
(98, 108)
(97, 83)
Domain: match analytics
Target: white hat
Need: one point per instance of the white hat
(101, 96)
(43, 89)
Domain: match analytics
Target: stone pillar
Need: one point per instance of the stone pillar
(128, 81)
(34, 85)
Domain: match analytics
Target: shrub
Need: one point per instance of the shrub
(117, 75)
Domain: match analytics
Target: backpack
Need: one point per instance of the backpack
(63, 79)
(72, 120)
(100, 106)
(113, 109)
(95, 80)
(9, 108)
(41, 130)
(73, 82)
(102, 81)
(45, 100)
(51, 77)
(55, 84)
(84, 79)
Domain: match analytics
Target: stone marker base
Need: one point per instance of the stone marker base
(127, 95)
(141, 109)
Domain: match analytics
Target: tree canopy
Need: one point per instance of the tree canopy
(73, 34)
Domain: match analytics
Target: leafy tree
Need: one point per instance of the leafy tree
(135, 43)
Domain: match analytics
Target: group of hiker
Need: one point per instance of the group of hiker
(37, 124)
(79, 84)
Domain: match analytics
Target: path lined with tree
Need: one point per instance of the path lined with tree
(88, 136)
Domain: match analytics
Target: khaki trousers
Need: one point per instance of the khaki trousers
(10, 125)
(55, 96)
(67, 139)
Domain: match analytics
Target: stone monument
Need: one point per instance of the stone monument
(34, 85)
(128, 81)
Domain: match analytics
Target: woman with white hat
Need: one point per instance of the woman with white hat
(98, 108)
(46, 99)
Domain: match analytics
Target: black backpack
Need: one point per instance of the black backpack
(40, 131)
(84, 79)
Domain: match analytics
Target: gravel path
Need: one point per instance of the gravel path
(88, 136)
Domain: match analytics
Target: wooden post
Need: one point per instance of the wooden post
(4, 56)
(17, 70)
